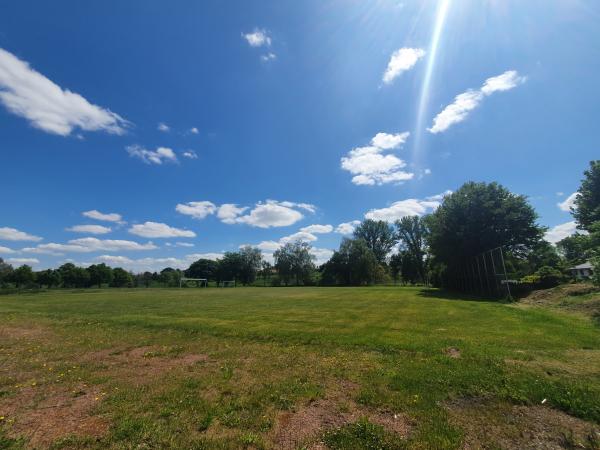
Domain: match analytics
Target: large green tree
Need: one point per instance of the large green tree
(49, 278)
(6, 271)
(23, 276)
(121, 278)
(379, 237)
(587, 204)
(294, 261)
(251, 259)
(100, 274)
(353, 264)
(480, 217)
(412, 233)
(203, 268)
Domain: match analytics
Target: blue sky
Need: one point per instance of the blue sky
(147, 133)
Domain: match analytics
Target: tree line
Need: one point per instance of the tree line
(474, 219)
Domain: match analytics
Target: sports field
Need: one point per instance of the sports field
(294, 368)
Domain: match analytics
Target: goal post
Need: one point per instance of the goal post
(200, 282)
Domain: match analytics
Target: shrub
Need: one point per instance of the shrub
(549, 277)
(596, 269)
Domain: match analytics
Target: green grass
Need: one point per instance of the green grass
(270, 350)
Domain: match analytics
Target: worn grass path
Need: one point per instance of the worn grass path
(291, 368)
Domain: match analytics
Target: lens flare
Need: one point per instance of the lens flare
(440, 20)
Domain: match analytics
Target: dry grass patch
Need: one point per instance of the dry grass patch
(492, 425)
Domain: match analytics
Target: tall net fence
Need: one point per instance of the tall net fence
(484, 275)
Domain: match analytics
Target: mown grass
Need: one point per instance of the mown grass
(274, 349)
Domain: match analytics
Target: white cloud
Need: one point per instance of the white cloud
(317, 229)
(257, 38)
(322, 255)
(89, 244)
(370, 166)
(467, 101)
(157, 156)
(271, 214)
(401, 60)
(194, 130)
(229, 212)
(568, 203)
(198, 210)
(91, 229)
(12, 234)
(183, 244)
(20, 261)
(163, 127)
(97, 215)
(299, 236)
(347, 227)
(190, 154)
(29, 94)
(408, 207)
(268, 57)
(561, 231)
(155, 264)
(268, 246)
(159, 230)
(6, 250)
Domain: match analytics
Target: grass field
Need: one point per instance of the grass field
(294, 368)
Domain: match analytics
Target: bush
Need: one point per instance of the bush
(549, 277)
(596, 269)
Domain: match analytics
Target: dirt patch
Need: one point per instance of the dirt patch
(488, 424)
(142, 363)
(306, 424)
(44, 414)
(452, 352)
(23, 332)
(555, 295)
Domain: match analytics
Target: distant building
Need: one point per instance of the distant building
(582, 271)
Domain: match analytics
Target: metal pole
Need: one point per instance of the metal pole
(495, 274)
(505, 276)
(479, 273)
(487, 278)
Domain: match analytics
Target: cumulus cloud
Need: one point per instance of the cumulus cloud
(371, 166)
(91, 229)
(229, 212)
(97, 215)
(194, 130)
(158, 156)
(154, 264)
(401, 60)
(159, 230)
(6, 250)
(29, 94)
(322, 255)
(302, 236)
(197, 210)
(20, 261)
(408, 207)
(90, 244)
(466, 102)
(271, 214)
(568, 203)
(12, 234)
(317, 229)
(258, 38)
(190, 154)
(163, 127)
(347, 227)
(560, 232)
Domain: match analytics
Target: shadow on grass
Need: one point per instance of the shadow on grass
(454, 295)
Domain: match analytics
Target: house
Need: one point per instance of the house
(582, 271)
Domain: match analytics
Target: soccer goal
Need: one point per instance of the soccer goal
(227, 284)
(200, 282)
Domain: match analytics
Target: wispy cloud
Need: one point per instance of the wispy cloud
(197, 210)
(163, 127)
(466, 102)
(190, 154)
(401, 60)
(568, 203)
(29, 94)
(91, 229)
(347, 227)
(12, 234)
(158, 156)
(88, 245)
(20, 261)
(159, 230)
(105, 217)
(6, 250)
(371, 166)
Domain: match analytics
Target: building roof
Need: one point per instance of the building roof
(585, 265)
